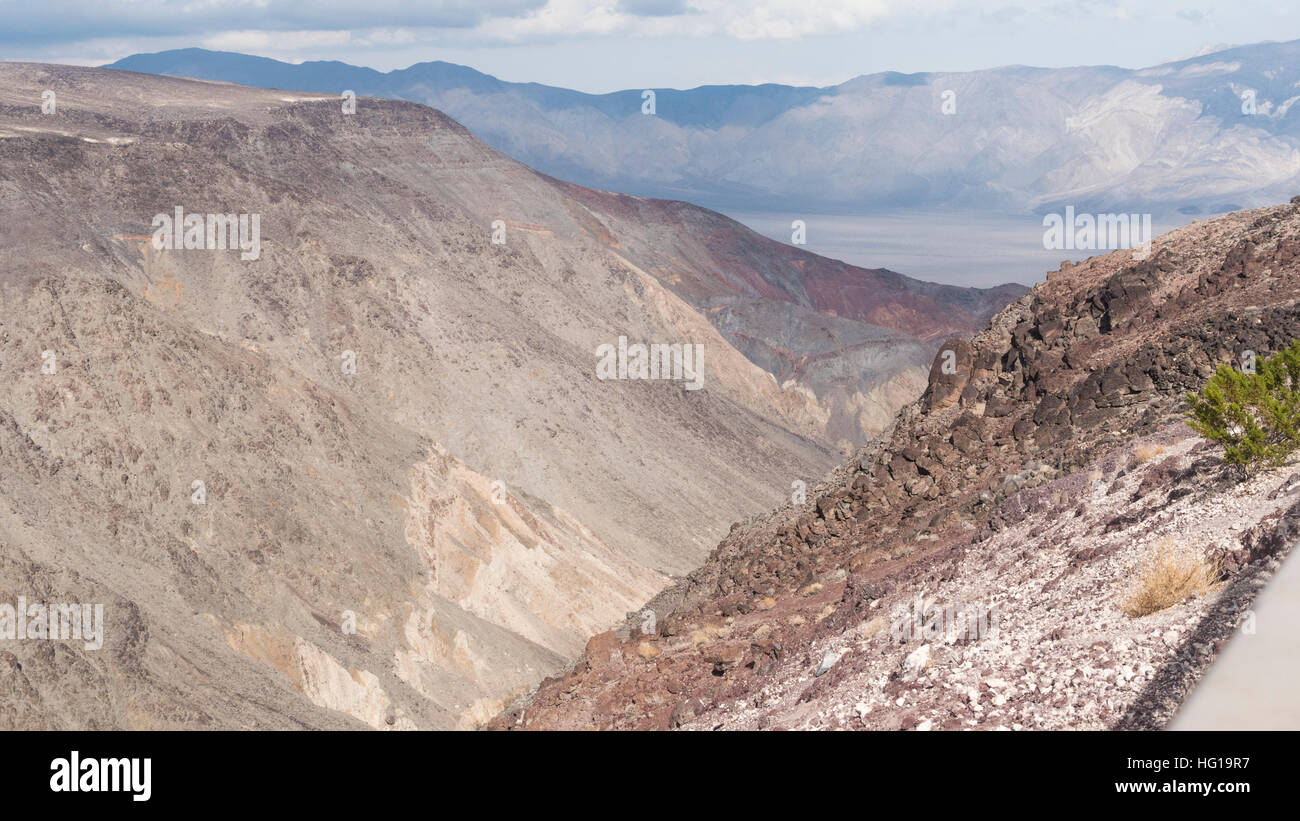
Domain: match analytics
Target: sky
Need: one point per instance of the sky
(607, 45)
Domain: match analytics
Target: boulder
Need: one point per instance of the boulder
(949, 374)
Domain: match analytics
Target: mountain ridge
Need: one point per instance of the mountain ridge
(1170, 137)
(366, 476)
(1045, 465)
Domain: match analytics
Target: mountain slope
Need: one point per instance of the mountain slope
(847, 390)
(1172, 136)
(364, 472)
(817, 325)
(1046, 463)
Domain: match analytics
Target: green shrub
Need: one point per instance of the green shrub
(1255, 416)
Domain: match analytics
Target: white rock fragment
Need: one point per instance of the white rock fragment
(916, 661)
(827, 662)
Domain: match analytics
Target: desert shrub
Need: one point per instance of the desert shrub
(1255, 416)
(1169, 576)
(1145, 453)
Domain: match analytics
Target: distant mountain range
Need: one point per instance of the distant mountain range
(1198, 136)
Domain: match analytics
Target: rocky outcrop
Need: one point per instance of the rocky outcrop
(1014, 471)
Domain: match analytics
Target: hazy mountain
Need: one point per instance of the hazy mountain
(388, 411)
(1169, 137)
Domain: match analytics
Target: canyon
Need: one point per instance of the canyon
(417, 498)
(1035, 480)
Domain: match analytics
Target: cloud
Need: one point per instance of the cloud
(1006, 14)
(288, 25)
(465, 21)
(61, 21)
(287, 41)
(654, 8)
(740, 19)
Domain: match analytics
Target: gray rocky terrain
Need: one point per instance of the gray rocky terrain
(366, 475)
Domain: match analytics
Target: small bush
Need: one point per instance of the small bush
(1168, 577)
(1145, 453)
(1255, 416)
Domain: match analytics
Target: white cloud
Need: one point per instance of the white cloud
(235, 23)
(741, 19)
(279, 41)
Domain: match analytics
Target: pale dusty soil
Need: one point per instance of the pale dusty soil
(1063, 654)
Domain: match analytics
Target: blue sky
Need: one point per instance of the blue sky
(604, 45)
